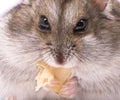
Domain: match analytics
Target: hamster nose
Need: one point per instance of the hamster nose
(59, 57)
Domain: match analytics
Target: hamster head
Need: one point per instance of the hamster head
(63, 33)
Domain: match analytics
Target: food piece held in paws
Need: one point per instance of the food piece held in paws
(48, 73)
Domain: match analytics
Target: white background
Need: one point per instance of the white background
(6, 5)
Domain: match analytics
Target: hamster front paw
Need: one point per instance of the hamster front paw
(69, 90)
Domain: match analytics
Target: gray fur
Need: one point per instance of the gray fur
(93, 56)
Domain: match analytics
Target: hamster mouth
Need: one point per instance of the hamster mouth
(48, 73)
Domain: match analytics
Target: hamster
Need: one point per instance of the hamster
(83, 35)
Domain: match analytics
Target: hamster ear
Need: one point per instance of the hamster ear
(100, 4)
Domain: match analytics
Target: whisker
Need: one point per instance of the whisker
(45, 52)
(47, 56)
(79, 57)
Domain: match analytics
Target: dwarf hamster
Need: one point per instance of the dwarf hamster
(83, 35)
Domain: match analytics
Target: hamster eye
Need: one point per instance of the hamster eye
(81, 26)
(44, 23)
